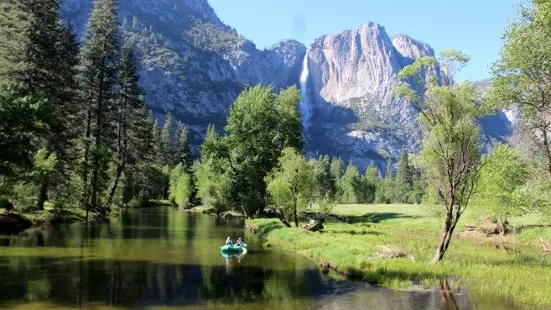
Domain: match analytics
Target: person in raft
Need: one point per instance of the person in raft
(239, 242)
(228, 241)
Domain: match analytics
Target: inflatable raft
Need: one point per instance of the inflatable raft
(234, 248)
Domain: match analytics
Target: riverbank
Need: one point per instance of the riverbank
(15, 222)
(391, 246)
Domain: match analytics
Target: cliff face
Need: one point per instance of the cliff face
(353, 77)
(194, 66)
(191, 64)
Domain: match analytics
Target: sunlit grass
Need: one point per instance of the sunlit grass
(508, 268)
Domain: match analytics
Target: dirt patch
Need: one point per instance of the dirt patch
(11, 224)
(471, 234)
(387, 252)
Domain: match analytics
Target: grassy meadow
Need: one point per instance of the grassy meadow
(391, 245)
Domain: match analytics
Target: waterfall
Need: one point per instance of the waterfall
(305, 108)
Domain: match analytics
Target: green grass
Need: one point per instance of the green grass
(507, 268)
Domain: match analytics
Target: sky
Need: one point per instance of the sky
(474, 27)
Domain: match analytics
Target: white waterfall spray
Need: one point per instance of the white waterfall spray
(305, 108)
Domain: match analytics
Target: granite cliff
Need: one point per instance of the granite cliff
(194, 66)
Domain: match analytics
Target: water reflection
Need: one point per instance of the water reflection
(158, 258)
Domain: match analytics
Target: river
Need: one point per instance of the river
(161, 258)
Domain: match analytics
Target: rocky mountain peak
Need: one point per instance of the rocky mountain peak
(410, 48)
(194, 66)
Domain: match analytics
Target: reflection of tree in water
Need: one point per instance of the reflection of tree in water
(450, 303)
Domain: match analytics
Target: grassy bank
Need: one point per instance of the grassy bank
(507, 267)
(16, 221)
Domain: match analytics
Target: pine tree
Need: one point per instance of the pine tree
(211, 147)
(14, 24)
(373, 175)
(404, 179)
(388, 185)
(325, 183)
(131, 119)
(167, 141)
(41, 52)
(351, 185)
(184, 150)
(99, 67)
(66, 116)
(45, 66)
(157, 143)
(337, 168)
(374, 182)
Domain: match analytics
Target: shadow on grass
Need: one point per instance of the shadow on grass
(266, 228)
(376, 217)
(355, 232)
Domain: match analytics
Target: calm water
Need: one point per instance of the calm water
(164, 259)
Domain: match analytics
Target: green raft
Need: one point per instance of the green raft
(234, 248)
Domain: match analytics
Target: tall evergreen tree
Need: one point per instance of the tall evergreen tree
(66, 115)
(157, 143)
(132, 119)
(404, 179)
(373, 175)
(44, 64)
(337, 169)
(20, 123)
(373, 181)
(99, 67)
(167, 141)
(184, 150)
(388, 184)
(14, 24)
(325, 184)
(351, 185)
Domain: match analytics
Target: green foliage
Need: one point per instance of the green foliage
(167, 142)
(351, 186)
(157, 145)
(213, 183)
(502, 176)
(521, 76)
(21, 124)
(98, 71)
(404, 180)
(173, 182)
(184, 150)
(373, 180)
(291, 184)
(184, 189)
(213, 173)
(488, 270)
(450, 154)
(325, 184)
(259, 126)
(209, 37)
(386, 192)
(44, 164)
(102, 158)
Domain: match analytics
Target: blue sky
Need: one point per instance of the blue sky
(473, 26)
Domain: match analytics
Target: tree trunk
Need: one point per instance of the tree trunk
(42, 194)
(295, 214)
(447, 296)
(283, 219)
(99, 131)
(444, 239)
(546, 149)
(114, 185)
(85, 169)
